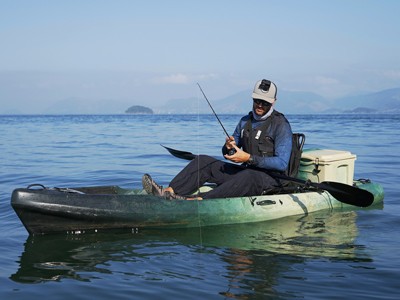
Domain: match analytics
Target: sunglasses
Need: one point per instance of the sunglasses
(261, 102)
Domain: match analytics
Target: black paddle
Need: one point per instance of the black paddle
(342, 192)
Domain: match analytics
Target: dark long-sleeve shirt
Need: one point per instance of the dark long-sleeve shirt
(280, 132)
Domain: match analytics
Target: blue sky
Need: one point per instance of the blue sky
(148, 52)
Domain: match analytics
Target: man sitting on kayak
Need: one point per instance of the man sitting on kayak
(262, 140)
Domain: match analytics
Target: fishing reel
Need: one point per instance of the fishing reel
(231, 151)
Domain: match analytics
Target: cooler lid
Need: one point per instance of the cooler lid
(326, 155)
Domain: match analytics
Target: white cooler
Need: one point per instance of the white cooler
(327, 165)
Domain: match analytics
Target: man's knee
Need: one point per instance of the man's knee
(205, 159)
(258, 177)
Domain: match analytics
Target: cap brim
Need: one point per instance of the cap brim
(262, 97)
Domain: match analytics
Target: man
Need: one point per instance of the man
(262, 141)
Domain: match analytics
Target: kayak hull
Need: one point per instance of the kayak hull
(89, 209)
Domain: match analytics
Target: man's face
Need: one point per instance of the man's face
(261, 107)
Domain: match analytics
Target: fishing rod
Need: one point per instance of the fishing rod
(215, 114)
(231, 151)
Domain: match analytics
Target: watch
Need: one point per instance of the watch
(250, 161)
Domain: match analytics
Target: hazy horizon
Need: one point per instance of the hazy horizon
(146, 53)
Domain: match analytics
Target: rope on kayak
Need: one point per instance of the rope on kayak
(68, 190)
(42, 187)
(364, 180)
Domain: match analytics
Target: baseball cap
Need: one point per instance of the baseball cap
(265, 90)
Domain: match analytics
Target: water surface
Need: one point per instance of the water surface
(329, 254)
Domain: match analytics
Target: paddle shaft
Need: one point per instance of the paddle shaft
(342, 192)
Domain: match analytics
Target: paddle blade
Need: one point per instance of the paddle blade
(346, 193)
(180, 154)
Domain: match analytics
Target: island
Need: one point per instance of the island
(139, 110)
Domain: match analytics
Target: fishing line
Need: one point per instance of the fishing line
(198, 171)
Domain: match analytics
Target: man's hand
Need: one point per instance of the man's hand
(230, 142)
(239, 157)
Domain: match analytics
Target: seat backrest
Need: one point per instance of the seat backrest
(298, 140)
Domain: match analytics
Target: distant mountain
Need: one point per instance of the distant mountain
(291, 102)
(75, 105)
(241, 103)
(386, 101)
(360, 110)
(181, 106)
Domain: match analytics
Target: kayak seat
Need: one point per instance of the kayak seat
(298, 140)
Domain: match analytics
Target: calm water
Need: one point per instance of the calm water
(333, 254)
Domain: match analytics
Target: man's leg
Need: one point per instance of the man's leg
(247, 182)
(201, 170)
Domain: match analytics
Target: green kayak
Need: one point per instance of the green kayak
(90, 209)
(324, 182)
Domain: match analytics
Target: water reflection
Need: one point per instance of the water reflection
(82, 257)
